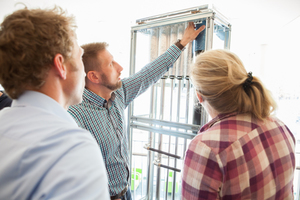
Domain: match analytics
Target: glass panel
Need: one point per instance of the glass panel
(139, 164)
(218, 37)
(179, 94)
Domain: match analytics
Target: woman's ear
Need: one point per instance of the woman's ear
(199, 97)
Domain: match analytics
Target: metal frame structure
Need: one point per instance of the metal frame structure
(156, 123)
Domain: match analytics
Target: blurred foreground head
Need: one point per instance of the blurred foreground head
(29, 41)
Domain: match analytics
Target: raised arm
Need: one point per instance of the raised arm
(148, 75)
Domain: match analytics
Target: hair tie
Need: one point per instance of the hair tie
(248, 81)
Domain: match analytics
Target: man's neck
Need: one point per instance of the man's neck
(101, 91)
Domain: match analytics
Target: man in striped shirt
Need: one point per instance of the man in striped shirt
(105, 98)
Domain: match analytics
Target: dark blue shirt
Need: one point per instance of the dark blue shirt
(5, 101)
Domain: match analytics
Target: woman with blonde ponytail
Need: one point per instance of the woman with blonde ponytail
(243, 152)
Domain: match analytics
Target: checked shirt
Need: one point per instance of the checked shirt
(236, 156)
(106, 123)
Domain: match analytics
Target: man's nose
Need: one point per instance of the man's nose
(120, 68)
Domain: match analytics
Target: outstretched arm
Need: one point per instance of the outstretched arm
(147, 76)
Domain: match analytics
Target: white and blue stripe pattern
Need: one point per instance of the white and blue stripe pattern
(106, 125)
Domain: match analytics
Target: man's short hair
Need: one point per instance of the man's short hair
(29, 41)
(89, 58)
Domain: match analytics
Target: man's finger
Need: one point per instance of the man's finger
(191, 24)
(201, 28)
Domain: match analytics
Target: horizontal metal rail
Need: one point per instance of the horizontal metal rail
(169, 14)
(169, 21)
(191, 127)
(180, 19)
(165, 166)
(145, 155)
(161, 152)
(162, 131)
(139, 154)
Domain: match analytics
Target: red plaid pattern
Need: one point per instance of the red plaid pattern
(236, 156)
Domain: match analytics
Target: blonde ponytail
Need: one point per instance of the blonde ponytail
(220, 78)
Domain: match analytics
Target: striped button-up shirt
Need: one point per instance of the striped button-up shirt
(236, 156)
(106, 123)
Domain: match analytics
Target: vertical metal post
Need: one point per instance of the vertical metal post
(160, 140)
(151, 139)
(130, 108)
(163, 45)
(189, 57)
(173, 38)
(209, 33)
(169, 147)
(180, 74)
(176, 140)
(167, 178)
(227, 37)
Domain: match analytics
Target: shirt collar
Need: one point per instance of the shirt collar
(43, 102)
(96, 99)
(216, 119)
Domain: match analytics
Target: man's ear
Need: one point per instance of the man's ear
(60, 67)
(93, 76)
(199, 97)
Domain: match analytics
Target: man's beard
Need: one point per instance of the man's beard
(112, 87)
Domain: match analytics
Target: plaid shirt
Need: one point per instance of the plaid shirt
(106, 123)
(236, 156)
